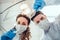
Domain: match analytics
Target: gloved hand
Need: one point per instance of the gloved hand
(39, 4)
(9, 35)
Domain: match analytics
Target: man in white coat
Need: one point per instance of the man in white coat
(51, 29)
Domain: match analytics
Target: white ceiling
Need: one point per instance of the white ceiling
(5, 1)
(48, 1)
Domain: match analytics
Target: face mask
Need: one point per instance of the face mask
(44, 24)
(20, 28)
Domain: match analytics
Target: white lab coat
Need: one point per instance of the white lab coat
(54, 30)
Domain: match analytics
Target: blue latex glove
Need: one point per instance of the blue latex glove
(39, 4)
(9, 35)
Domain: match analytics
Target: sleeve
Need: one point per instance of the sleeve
(54, 31)
(39, 4)
(47, 37)
(57, 22)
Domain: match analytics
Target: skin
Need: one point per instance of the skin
(22, 21)
(39, 18)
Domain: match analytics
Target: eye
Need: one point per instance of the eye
(18, 22)
(41, 18)
(23, 23)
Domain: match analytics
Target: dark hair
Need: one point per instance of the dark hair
(26, 34)
(20, 15)
(37, 13)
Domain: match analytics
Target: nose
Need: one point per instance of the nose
(23, 23)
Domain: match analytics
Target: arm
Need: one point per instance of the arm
(57, 22)
(54, 31)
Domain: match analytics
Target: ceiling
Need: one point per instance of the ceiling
(5, 1)
(49, 1)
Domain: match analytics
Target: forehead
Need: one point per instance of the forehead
(38, 16)
(22, 19)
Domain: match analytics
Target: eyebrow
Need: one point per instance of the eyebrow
(41, 18)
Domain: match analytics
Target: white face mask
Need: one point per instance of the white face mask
(44, 24)
(20, 28)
